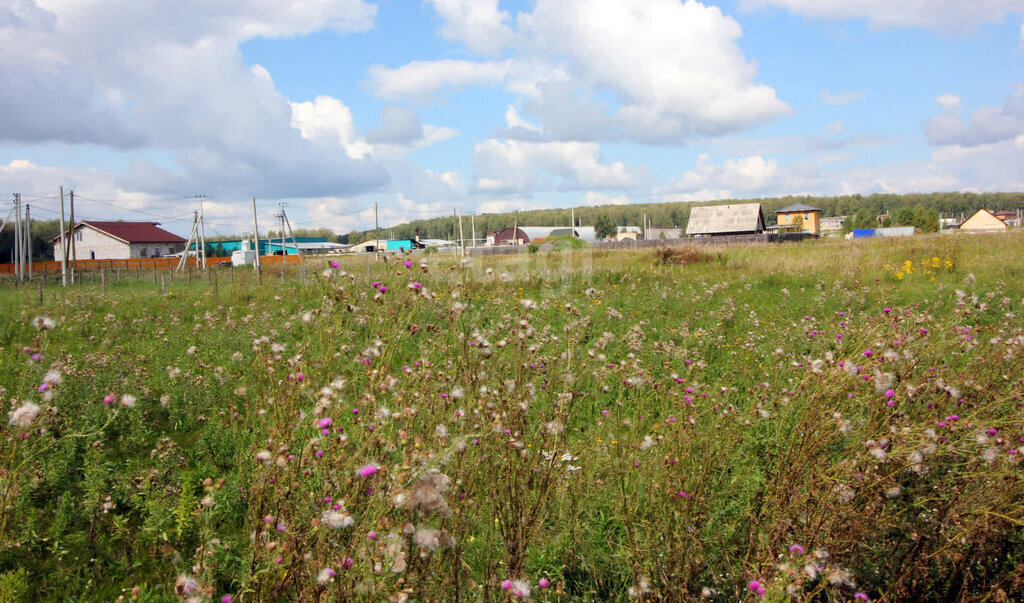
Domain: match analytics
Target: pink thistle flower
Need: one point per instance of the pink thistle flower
(355, 411)
(324, 422)
(868, 353)
(861, 597)
(754, 585)
(796, 548)
(371, 535)
(347, 563)
(889, 393)
(225, 599)
(506, 584)
(44, 387)
(368, 470)
(407, 263)
(109, 399)
(544, 583)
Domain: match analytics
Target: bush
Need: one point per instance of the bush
(682, 255)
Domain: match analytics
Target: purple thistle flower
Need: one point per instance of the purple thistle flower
(368, 470)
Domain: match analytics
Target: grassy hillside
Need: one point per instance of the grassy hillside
(826, 420)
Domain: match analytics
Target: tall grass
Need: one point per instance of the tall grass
(812, 421)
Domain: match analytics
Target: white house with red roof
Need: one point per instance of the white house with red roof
(120, 240)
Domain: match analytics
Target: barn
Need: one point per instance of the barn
(721, 220)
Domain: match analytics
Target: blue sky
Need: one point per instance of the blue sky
(487, 105)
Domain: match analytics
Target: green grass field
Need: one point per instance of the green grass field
(830, 420)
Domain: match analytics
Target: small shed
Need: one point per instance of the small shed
(719, 220)
(983, 221)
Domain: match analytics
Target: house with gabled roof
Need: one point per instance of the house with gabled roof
(800, 217)
(99, 240)
(983, 221)
(719, 220)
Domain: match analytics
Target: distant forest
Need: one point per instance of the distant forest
(861, 209)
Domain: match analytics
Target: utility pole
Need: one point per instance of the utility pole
(472, 227)
(74, 252)
(376, 226)
(645, 227)
(188, 244)
(284, 252)
(63, 244)
(202, 229)
(17, 236)
(28, 239)
(256, 238)
(292, 234)
(462, 239)
(515, 231)
(572, 230)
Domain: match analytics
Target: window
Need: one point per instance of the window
(78, 235)
(170, 250)
(807, 216)
(143, 252)
(92, 255)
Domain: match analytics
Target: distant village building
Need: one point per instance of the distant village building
(656, 234)
(832, 224)
(95, 240)
(529, 234)
(1010, 218)
(983, 221)
(800, 217)
(719, 220)
(628, 233)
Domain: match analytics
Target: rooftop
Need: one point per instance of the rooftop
(797, 207)
(132, 232)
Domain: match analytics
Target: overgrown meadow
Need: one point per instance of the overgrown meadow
(820, 421)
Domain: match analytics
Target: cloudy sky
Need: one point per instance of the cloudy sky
(493, 105)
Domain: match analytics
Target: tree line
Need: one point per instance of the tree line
(917, 209)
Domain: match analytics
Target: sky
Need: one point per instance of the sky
(142, 107)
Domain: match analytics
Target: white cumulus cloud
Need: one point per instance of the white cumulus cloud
(169, 77)
(476, 23)
(948, 101)
(986, 125)
(519, 165)
(946, 15)
(840, 100)
(658, 71)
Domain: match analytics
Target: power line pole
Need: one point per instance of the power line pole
(28, 239)
(63, 244)
(202, 229)
(74, 251)
(472, 227)
(376, 226)
(188, 244)
(572, 229)
(17, 236)
(256, 238)
(284, 252)
(292, 233)
(462, 239)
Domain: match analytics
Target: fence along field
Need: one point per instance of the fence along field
(829, 420)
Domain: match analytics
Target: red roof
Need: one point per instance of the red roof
(136, 232)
